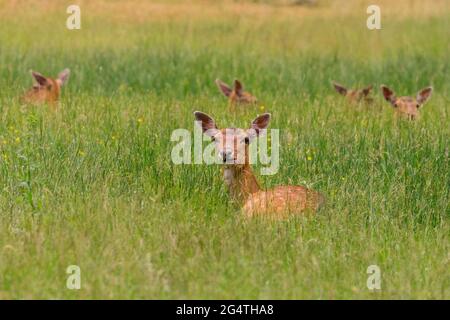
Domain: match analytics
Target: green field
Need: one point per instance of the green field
(93, 184)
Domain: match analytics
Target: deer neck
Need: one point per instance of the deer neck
(241, 182)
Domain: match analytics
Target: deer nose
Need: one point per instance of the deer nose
(225, 155)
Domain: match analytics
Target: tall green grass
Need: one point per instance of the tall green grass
(93, 185)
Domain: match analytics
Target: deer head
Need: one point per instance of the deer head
(46, 90)
(354, 96)
(231, 143)
(407, 106)
(236, 94)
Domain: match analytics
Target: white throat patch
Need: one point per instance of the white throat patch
(228, 176)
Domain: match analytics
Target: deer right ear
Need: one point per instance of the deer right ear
(223, 87)
(423, 95)
(39, 78)
(63, 76)
(238, 87)
(340, 89)
(259, 125)
(207, 123)
(388, 94)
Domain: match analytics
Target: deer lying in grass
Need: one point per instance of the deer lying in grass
(46, 90)
(354, 96)
(407, 107)
(232, 147)
(237, 95)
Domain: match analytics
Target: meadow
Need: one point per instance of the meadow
(93, 184)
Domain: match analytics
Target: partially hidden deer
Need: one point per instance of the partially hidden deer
(232, 148)
(355, 95)
(236, 95)
(407, 107)
(46, 90)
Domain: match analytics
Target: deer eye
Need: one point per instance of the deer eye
(247, 140)
(417, 106)
(213, 139)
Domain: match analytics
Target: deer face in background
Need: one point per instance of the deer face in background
(407, 107)
(236, 94)
(232, 144)
(46, 90)
(354, 96)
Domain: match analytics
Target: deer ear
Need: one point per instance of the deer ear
(423, 95)
(340, 89)
(63, 77)
(238, 88)
(259, 125)
(388, 94)
(367, 90)
(39, 78)
(223, 87)
(205, 122)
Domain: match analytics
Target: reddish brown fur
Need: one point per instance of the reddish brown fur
(277, 203)
(355, 96)
(406, 106)
(236, 95)
(46, 90)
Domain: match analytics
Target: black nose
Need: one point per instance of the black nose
(225, 155)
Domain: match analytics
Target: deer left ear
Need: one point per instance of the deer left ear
(40, 79)
(207, 123)
(223, 87)
(259, 125)
(238, 88)
(388, 94)
(339, 88)
(423, 95)
(63, 77)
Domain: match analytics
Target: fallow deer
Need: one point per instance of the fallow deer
(354, 96)
(407, 107)
(232, 147)
(236, 95)
(46, 90)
